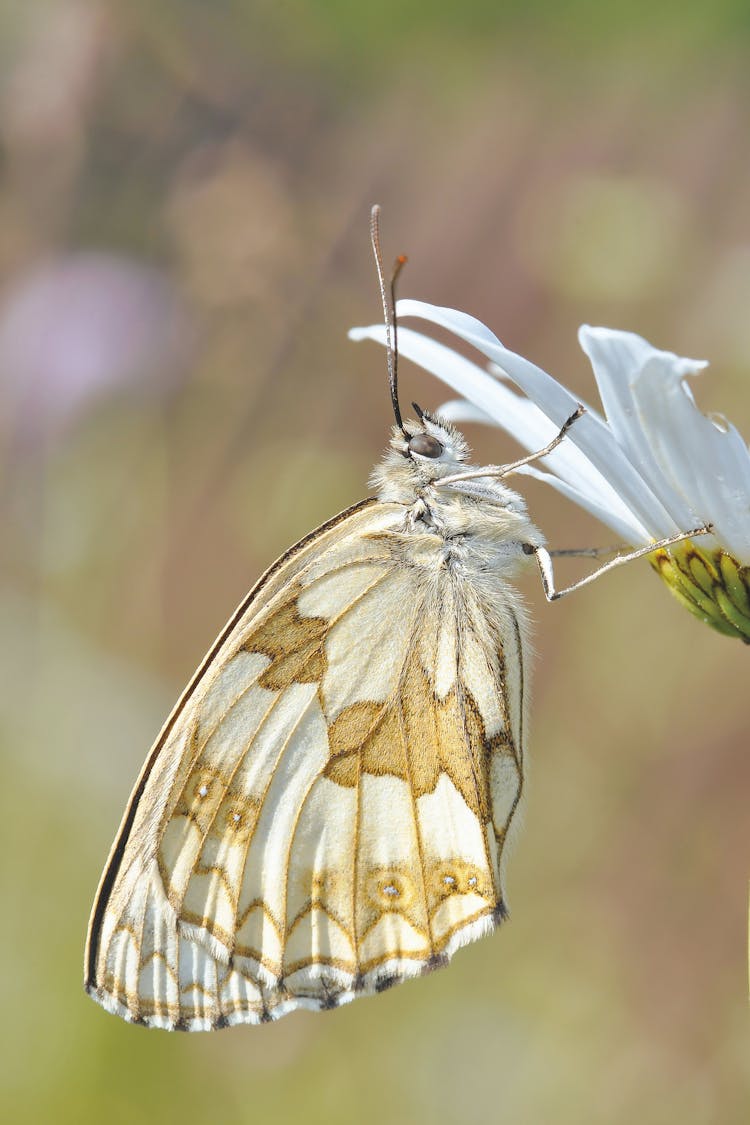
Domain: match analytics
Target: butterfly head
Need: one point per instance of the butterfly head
(427, 464)
(426, 448)
(434, 447)
(421, 451)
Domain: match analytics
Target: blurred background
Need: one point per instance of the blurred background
(183, 244)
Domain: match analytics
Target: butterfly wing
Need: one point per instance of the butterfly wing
(325, 811)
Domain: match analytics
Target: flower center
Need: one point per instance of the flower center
(711, 584)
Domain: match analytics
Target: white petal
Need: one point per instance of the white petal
(496, 403)
(582, 482)
(499, 405)
(459, 410)
(454, 369)
(656, 466)
(618, 358)
(710, 466)
(613, 513)
(705, 468)
(605, 505)
(590, 433)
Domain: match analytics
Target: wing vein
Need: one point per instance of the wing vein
(461, 700)
(417, 828)
(242, 756)
(519, 753)
(360, 597)
(177, 794)
(303, 712)
(287, 863)
(355, 863)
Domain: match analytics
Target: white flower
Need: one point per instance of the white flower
(651, 467)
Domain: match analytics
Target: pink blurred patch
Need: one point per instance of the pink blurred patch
(78, 328)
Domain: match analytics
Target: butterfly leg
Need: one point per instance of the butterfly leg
(500, 471)
(544, 561)
(587, 552)
(559, 436)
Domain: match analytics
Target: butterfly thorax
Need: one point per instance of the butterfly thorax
(478, 519)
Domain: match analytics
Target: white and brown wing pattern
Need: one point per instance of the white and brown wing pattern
(325, 811)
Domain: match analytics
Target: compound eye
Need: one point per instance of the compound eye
(426, 445)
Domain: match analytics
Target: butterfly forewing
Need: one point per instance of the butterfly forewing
(325, 811)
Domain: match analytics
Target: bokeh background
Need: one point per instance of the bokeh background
(183, 244)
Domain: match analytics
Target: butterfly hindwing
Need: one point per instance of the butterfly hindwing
(325, 811)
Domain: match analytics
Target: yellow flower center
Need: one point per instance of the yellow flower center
(713, 585)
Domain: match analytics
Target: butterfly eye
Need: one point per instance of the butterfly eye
(426, 445)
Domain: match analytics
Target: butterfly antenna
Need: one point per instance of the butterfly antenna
(388, 297)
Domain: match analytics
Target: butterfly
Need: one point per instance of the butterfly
(327, 810)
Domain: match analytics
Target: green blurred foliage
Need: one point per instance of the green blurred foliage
(542, 164)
